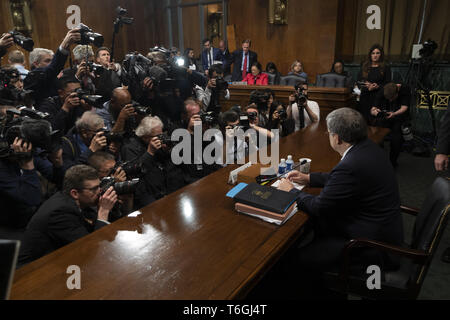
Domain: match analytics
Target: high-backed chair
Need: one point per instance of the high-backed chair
(291, 80)
(9, 250)
(271, 78)
(331, 79)
(407, 280)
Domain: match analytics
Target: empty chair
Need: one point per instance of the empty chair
(332, 80)
(291, 80)
(407, 280)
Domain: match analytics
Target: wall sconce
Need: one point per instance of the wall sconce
(21, 16)
(278, 11)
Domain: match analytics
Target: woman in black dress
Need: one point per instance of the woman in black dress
(373, 76)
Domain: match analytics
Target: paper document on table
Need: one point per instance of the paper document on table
(296, 185)
(275, 221)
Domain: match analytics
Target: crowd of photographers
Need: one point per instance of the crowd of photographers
(83, 146)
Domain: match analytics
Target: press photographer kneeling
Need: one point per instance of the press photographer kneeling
(391, 111)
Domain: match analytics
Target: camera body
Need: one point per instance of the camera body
(141, 110)
(88, 36)
(300, 99)
(132, 169)
(21, 40)
(208, 117)
(282, 114)
(9, 94)
(165, 139)
(125, 187)
(91, 99)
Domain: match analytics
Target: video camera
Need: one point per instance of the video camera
(31, 126)
(21, 40)
(125, 187)
(88, 36)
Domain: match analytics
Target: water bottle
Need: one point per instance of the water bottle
(282, 167)
(289, 163)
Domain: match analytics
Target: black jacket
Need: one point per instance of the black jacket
(161, 176)
(443, 143)
(236, 60)
(60, 119)
(360, 197)
(58, 222)
(43, 81)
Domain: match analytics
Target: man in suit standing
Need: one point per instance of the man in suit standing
(359, 199)
(210, 55)
(242, 61)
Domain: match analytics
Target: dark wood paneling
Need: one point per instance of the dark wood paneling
(328, 98)
(309, 35)
(49, 22)
(346, 26)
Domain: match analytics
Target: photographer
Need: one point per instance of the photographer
(119, 113)
(391, 111)
(300, 109)
(193, 116)
(82, 140)
(65, 108)
(68, 215)
(216, 86)
(106, 166)
(278, 120)
(42, 78)
(20, 185)
(149, 149)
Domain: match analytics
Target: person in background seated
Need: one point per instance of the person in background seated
(69, 215)
(338, 68)
(297, 70)
(272, 69)
(256, 77)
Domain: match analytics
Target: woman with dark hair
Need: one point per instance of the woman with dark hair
(190, 62)
(256, 77)
(278, 120)
(272, 69)
(373, 76)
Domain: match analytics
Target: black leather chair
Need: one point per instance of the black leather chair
(331, 79)
(9, 251)
(271, 78)
(291, 80)
(407, 280)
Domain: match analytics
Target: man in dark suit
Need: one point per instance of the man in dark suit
(359, 199)
(68, 215)
(242, 58)
(210, 55)
(46, 67)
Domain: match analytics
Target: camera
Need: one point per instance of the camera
(428, 48)
(125, 187)
(300, 99)
(88, 36)
(21, 40)
(35, 130)
(141, 110)
(165, 139)
(95, 68)
(111, 136)
(91, 99)
(382, 114)
(259, 98)
(208, 117)
(282, 115)
(132, 169)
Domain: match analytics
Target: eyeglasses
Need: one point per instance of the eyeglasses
(93, 189)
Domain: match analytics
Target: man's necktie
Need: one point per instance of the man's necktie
(244, 69)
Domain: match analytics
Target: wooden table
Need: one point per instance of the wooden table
(188, 245)
(327, 98)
